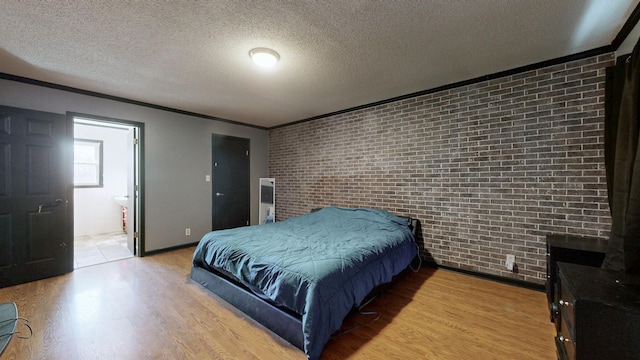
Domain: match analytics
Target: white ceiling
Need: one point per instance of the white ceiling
(193, 55)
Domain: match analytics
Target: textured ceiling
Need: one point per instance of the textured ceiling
(335, 55)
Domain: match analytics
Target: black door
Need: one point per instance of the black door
(36, 184)
(230, 182)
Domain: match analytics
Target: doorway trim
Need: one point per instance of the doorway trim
(139, 203)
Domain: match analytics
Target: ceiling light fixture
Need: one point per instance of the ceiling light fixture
(264, 57)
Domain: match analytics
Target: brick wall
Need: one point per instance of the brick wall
(488, 168)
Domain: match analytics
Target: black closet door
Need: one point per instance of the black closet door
(230, 182)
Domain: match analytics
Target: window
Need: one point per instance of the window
(87, 163)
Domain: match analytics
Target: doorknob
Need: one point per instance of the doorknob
(54, 203)
(219, 194)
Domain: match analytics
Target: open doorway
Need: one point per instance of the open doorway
(106, 190)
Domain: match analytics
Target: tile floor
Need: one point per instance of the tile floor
(98, 249)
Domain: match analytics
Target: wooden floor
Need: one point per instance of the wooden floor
(148, 308)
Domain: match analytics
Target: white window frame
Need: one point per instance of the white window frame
(87, 171)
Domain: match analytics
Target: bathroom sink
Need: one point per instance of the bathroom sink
(121, 200)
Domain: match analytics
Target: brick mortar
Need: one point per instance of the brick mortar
(489, 168)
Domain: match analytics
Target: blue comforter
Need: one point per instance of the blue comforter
(320, 265)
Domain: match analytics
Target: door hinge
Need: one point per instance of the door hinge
(135, 234)
(247, 222)
(215, 164)
(135, 141)
(247, 152)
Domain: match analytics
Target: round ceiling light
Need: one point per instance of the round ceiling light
(264, 57)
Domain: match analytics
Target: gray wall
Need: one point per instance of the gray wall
(177, 158)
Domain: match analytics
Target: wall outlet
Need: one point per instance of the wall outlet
(511, 259)
(187, 231)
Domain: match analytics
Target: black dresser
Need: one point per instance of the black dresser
(598, 313)
(571, 249)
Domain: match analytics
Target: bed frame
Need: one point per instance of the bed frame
(283, 322)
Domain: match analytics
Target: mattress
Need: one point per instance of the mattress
(320, 265)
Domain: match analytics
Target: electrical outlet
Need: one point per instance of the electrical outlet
(187, 231)
(511, 259)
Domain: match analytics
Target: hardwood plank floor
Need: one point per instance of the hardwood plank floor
(148, 308)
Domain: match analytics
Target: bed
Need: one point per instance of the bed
(301, 277)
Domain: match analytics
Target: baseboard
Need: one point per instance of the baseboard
(497, 278)
(172, 248)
